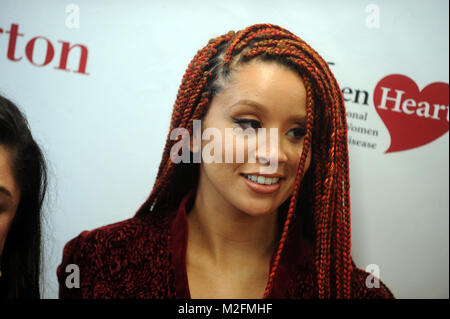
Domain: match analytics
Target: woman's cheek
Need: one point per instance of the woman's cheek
(307, 161)
(5, 222)
(237, 148)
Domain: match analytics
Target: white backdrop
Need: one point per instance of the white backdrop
(103, 133)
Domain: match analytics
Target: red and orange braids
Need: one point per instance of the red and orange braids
(326, 138)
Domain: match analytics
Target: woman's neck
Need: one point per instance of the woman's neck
(225, 237)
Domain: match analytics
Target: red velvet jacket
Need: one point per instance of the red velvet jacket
(145, 257)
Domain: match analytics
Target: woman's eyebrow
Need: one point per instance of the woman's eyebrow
(5, 191)
(250, 103)
(299, 119)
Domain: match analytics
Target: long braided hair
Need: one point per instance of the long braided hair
(323, 190)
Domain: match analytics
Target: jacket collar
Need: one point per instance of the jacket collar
(298, 253)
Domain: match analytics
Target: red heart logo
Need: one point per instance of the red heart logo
(413, 117)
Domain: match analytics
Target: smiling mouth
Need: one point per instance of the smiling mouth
(262, 180)
(262, 184)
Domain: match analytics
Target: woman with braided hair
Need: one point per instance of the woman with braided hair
(229, 229)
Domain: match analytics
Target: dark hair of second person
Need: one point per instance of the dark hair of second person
(23, 169)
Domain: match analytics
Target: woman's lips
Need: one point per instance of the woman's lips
(263, 189)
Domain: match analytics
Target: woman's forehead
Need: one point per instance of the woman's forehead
(265, 86)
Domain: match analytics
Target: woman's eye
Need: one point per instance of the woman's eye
(298, 132)
(247, 123)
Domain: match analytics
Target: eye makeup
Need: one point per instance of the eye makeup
(244, 123)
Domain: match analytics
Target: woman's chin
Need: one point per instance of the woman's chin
(258, 209)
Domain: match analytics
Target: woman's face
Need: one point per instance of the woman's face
(9, 195)
(260, 95)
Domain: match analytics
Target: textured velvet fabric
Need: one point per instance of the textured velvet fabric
(145, 257)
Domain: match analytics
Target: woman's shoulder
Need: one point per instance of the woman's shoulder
(365, 285)
(105, 254)
(119, 235)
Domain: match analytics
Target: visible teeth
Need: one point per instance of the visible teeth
(262, 180)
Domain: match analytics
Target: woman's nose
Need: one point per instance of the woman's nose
(269, 149)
